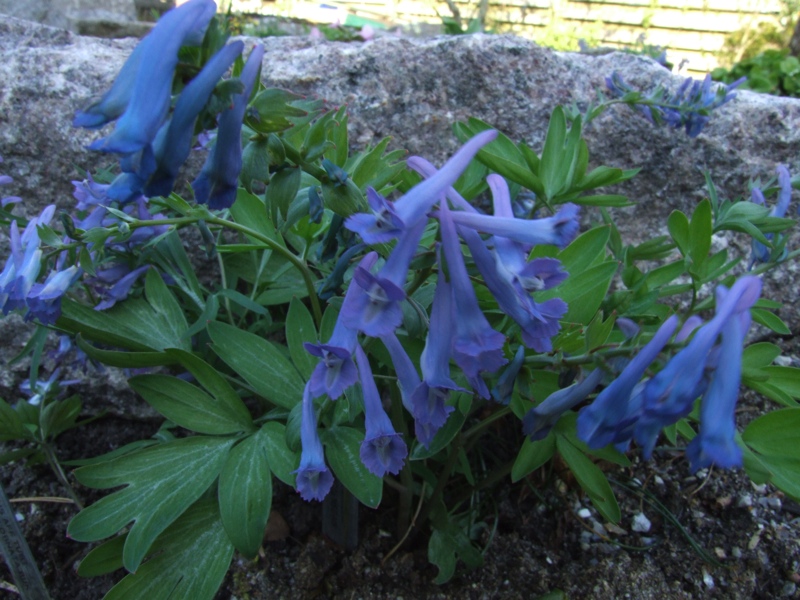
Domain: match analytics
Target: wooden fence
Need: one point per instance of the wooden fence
(690, 30)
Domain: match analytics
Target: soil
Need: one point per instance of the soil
(541, 535)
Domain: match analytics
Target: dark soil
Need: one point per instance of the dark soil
(546, 537)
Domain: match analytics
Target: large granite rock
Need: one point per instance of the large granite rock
(412, 90)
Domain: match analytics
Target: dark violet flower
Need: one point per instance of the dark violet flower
(429, 400)
(376, 310)
(505, 383)
(336, 371)
(604, 420)
(715, 443)
(141, 94)
(476, 346)
(558, 230)
(89, 193)
(174, 140)
(415, 204)
(44, 299)
(314, 480)
(539, 420)
(407, 376)
(44, 390)
(219, 180)
(628, 327)
(762, 253)
(383, 449)
(123, 279)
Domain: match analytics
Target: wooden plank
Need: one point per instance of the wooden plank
(767, 7)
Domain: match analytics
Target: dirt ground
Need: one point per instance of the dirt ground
(542, 535)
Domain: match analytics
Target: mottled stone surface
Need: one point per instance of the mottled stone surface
(413, 90)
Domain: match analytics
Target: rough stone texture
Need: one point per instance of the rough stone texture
(65, 13)
(412, 90)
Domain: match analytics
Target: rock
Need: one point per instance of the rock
(414, 90)
(68, 13)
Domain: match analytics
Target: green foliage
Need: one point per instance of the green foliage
(773, 72)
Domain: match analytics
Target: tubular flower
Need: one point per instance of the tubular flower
(539, 420)
(505, 383)
(476, 346)
(716, 443)
(388, 220)
(314, 480)
(174, 140)
(218, 181)
(140, 95)
(336, 371)
(605, 420)
(376, 311)
(44, 299)
(383, 449)
(762, 253)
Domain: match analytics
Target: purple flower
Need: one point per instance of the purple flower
(539, 420)
(762, 253)
(174, 140)
(407, 376)
(23, 266)
(44, 299)
(628, 327)
(558, 230)
(383, 449)
(122, 284)
(141, 94)
(716, 444)
(5, 180)
(503, 390)
(376, 309)
(605, 420)
(314, 480)
(391, 219)
(89, 193)
(219, 180)
(427, 170)
(476, 346)
(336, 371)
(428, 401)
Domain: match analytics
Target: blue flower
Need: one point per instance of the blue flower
(376, 310)
(44, 299)
(538, 421)
(476, 346)
(5, 180)
(219, 180)
(314, 480)
(407, 376)
(428, 401)
(716, 443)
(123, 279)
(174, 140)
(558, 230)
(389, 220)
(383, 449)
(762, 253)
(141, 94)
(23, 266)
(504, 388)
(605, 420)
(336, 371)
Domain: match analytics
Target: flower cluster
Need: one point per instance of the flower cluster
(689, 107)
(762, 253)
(459, 330)
(635, 407)
(151, 142)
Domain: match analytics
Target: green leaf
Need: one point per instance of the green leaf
(128, 360)
(700, 230)
(106, 558)
(678, 226)
(283, 188)
(189, 560)
(259, 363)
(133, 325)
(532, 455)
(273, 107)
(442, 553)
(249, 210)
(760, 355)
(585, 293)
(245, 495)
(585, 250)
(188, 406)
(11, 427)
(770, 320)
(342, 448)
(591, 479)
(160, 484)
(552, 162)
(282, 461)
(775, 438)
(300, 328)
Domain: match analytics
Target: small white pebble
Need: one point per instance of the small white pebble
(760, 488)
(641, 524)
(774, 503)
(708, 580)
(736, 552)
(744, 501)
(19, 517)
(783, 361)
(584, 513)
(789, 589)
(658, 480)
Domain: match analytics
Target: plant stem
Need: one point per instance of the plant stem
(444, 477)
(52, 460)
